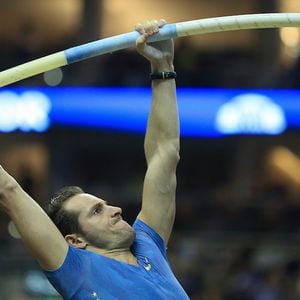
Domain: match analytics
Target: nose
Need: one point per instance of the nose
(116, 211)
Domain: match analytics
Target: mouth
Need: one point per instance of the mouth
(117, 218)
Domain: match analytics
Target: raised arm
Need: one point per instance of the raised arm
(162, 136)
(38, 232)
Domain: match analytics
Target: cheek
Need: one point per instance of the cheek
(94, 224)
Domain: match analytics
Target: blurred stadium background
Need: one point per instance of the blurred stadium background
(236, 234)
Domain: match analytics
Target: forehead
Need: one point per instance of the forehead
(82, 202)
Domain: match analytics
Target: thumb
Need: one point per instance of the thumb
(142, 46)
(141, 41)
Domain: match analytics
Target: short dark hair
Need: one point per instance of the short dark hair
(66, 221)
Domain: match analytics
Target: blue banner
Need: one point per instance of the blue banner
(203, 112)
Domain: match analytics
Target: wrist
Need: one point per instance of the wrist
(163, 75)
(162, 66)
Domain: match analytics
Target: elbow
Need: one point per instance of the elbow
(172, 154)
(174, 149)
(8, 193)
(176, 157)
(168, 150)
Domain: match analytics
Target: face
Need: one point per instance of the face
(102, 224)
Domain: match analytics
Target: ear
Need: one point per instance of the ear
(76, 241)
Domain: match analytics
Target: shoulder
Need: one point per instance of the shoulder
(65, 279)
(74, 259)
(147, 236)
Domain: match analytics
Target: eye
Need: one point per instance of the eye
(97, 210)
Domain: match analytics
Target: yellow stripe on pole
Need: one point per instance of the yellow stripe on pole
(32, 68)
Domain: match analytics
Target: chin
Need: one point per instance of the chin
(131, 239)
(130, 236)
(125, 225)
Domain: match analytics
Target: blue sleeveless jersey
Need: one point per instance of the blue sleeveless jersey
(85, 275)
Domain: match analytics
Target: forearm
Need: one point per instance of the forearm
(163, 123)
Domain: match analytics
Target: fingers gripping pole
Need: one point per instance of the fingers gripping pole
(127, 40)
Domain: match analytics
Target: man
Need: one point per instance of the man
(96, 254)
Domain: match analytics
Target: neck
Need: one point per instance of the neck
(123, 255)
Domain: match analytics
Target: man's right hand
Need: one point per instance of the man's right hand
(160, 54)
